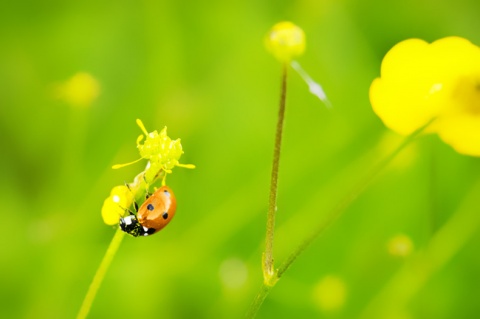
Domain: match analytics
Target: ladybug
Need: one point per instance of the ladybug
(154, 214)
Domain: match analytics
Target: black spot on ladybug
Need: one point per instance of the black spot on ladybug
(150, 207)
(165, 215)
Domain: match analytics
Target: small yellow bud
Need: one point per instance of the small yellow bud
(285, 41)
(114, 206)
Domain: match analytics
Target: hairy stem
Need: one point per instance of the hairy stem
(268, 263)
(258, 301)
(336, 212)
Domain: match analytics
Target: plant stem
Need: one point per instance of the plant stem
(460, 229)
(258, 301)
(100, 274)
(336, 212)
(268, 263)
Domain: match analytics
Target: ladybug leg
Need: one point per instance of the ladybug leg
(147, 188)
(135, 205)
(130, 212)
(147, 194)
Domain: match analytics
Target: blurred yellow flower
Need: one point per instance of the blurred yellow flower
(120, 199)
(285, 41)
(400, 246)
(421, 81)
(330, 293)
(80, 90)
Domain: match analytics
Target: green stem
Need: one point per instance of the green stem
(258, 301)
(441, 248)
(268, 267)
(100, 274)
(336, 212)
(433, 182)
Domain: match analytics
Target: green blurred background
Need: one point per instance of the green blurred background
(201, 69)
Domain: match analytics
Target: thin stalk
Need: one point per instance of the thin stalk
(100, 274)
(268, 263)
(336, 212)
(138, 187)
(433, 182)
(258, 301)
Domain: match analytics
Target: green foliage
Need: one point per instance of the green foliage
(201, 69)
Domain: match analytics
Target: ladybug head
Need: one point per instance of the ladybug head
(131, 226)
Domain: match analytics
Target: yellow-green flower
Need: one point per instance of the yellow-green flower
(160, 149)
(162, 152)
(285, 41)
(421, 81)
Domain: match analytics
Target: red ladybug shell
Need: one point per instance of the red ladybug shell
(158, 210)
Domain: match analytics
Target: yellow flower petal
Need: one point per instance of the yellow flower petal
(421, 81)
(406, 96)
(462, 133)
(120, 199)
(111, 212)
